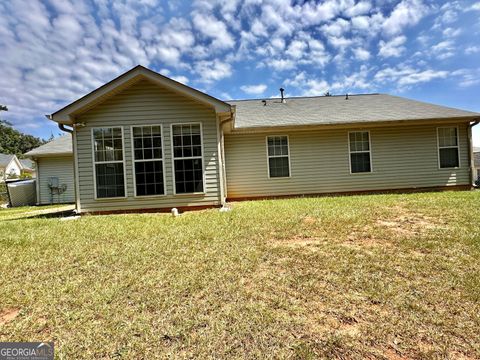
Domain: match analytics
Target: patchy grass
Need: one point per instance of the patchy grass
(383, 276)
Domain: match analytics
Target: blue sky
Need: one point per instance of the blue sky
(54, 51)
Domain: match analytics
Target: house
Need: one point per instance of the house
(10, 166)
(144, 141)
(28, 166)
(54, 169)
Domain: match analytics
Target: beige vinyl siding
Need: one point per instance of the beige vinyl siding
(145, 103)
(61, 167)
(402, 157)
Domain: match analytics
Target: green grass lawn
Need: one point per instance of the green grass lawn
(380, 276)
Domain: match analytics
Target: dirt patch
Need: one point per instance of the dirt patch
(8, 315)
(411, 224)
(309, 220)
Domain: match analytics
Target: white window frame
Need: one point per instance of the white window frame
(276, 156)
(94, 163)
(147, 160)
(448, 147)
(188, 158)
(350, 152)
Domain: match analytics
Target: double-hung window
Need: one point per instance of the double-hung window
(108, 162)
(148, 160)
(278, 156)
(360, 152)
(448, 153)
(187, 158)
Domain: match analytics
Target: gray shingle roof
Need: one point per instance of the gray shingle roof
(58, 146)
(323, 110)
(27, 163)
(5, 159)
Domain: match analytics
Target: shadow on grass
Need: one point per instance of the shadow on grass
(47, 215)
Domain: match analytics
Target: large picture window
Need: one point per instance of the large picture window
(278, 156)
(148, 160)
(108, 162)
(187, 158)
(359, 147)
(448, 153)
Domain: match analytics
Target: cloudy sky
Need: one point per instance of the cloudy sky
(54, 51)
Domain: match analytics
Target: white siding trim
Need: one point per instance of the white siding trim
(369, 152)
(76, 171)
(268, 158)
(94, 163)
(448, 147)
(134, 161)
(193, 157)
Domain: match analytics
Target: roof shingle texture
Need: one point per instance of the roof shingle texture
(5, 159)
(324, 110)
(58, 146)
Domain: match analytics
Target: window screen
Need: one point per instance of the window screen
(187, 158)
(278, 153)
(108, 162)
(148, 160)
(359, 151)
(448, 147)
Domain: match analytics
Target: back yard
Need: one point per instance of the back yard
(381, 276)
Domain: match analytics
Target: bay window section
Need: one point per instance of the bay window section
(187, 158)
(448, 152)
(278, 156)
(360, 156)
(148, 160)
(108, 162)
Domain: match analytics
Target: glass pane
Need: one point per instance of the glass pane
(278, 167)
(187, 141)
(447, 136)
(188, 176)
(277, 145)
(149, 178)
(137, 131)
(360, 162)
(449, 158)
(359, 141)
(110, 180)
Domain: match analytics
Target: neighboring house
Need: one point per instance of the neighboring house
(28, 166)
(10, 166)
(54, 168)
(144, 141)
(476, 159)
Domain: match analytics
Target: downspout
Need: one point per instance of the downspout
(473, 175)
(75, 182)
(222, 146)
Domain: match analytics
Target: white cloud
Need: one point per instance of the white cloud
(215, 70)
(392, 48)
(406, 13)
(361, 54)
(180, 78)
(472, 49)
(254, 89)
(359, 8)
(475, 6)
(214, 29)
(408, 76)
(336, 28)
(443, 49)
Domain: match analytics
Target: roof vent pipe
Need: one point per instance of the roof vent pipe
(281, 94)
(346, 96)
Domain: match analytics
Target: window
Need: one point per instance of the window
(359, 147)
(148, 160)
(278, 161)
(448, 156)
(187, 158)
(108, 162)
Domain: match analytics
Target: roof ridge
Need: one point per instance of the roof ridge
(303, 97)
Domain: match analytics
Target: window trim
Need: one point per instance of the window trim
(288, 156)
(173, 158)
(134, 161)
(94, 162)
(448, 147)
(369, 152)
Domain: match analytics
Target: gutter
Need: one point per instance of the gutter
(473, 175)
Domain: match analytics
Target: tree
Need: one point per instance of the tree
(13, 141)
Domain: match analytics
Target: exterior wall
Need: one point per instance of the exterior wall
(61, 167)
(145, 103)
(13, 168)
(402, 157)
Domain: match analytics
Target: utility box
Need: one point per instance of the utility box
(22, 193)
